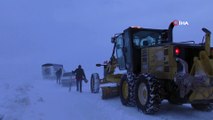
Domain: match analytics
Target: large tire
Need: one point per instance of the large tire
(203, 107)
(127, 90)
(95, 83)
(148, 94)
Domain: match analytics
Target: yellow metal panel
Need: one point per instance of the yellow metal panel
(162, 62)
(114, 78)
(206, 63)
(202, 93)
(156, 59)
(207, 44)
(144, 60)
(109, 92)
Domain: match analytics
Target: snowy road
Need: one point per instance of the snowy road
(45, 100)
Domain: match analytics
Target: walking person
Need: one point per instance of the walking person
(80, 75)
(58, 75)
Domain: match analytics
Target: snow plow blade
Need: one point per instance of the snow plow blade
(110, 92)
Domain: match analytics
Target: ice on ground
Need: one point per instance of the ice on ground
(46, 100)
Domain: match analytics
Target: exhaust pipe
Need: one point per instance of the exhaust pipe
(170, 30)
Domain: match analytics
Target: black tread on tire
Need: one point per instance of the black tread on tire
(92, 82)
(148, 94)
(129, 99)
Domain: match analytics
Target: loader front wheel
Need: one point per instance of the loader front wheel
(94, 83)
(127, 93)
(147, 94)
(203, 107)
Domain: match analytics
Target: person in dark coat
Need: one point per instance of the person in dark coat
(80, 75)
(58, 75)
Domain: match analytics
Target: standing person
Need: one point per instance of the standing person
(80, 75)
(58, 75)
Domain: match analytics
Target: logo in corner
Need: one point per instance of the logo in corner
(179, 22)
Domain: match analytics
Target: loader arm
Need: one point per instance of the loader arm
(207, 40)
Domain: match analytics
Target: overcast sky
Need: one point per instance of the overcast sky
(72, 32)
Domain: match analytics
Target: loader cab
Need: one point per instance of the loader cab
(128, 46)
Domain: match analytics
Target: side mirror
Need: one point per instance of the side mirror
(206, 31)
(113, 40)
(98, 65)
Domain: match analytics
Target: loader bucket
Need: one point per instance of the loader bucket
(207, 64)
(203, 68)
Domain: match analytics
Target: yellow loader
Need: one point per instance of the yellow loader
(157, 68)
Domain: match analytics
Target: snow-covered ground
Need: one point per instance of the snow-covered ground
(38, 99)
